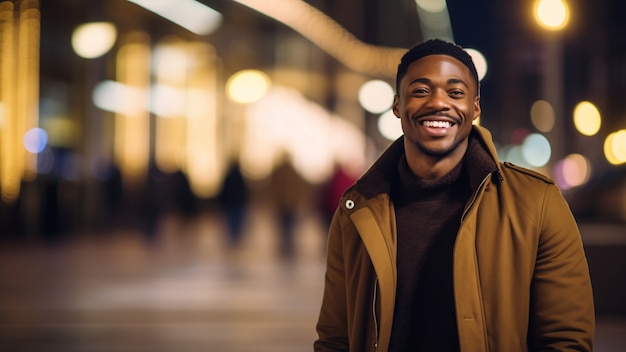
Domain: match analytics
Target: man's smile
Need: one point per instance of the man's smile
(437, 124)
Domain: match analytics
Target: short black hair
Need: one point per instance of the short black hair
(435, 47)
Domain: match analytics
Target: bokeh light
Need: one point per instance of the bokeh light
(552, 14)
(189, 14)
(167, 101)
(615, 147)
(62, 131)
(573, 171)
(35, 140)
(479, 61)
(247, 86)
(376, 96)
(170, 61)
(389, 126)
(515, 155)
(433, 6)
(286, 125)
(536, 150)
(117, 97)
(587, 118)
(542, 116)
(92, 40)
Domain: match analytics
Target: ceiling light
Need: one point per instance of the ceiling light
(189, 14)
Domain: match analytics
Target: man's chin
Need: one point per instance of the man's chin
(438, 150)
(437, 153)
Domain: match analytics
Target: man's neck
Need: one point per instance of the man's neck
(431, 168)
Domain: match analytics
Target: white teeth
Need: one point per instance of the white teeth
(438, 124)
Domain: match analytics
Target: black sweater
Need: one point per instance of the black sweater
(428, 216)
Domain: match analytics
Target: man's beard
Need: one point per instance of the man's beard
(440, 153)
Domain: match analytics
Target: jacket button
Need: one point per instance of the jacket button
(349, 204)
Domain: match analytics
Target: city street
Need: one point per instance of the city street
(185, 290)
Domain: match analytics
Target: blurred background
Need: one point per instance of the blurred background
(168, 168)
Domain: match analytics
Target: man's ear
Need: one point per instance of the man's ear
(477, 109)
(395, 105)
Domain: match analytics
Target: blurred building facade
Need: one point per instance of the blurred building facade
(185, 169)
(113, 133)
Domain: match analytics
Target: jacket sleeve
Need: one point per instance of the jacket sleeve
(562, 309)
(332, 326)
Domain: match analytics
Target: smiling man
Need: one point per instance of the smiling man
(437, 102)
(441, 247)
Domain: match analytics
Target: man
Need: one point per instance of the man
(440, 247)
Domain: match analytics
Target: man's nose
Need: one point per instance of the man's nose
(439, 100)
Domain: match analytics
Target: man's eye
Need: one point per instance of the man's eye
(456, 93)
(420, 91)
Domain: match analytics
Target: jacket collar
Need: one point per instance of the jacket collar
(480, 160)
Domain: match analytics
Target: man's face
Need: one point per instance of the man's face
(437, 101)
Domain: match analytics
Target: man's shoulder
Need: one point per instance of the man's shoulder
(522, 171)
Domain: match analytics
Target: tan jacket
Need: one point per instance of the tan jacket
(521, 281)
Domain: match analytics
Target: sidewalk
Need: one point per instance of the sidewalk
(185, 292)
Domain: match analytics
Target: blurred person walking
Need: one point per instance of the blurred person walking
(439, 246)
(288, 191)
(233, 198)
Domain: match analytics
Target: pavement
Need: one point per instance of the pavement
(186, 289)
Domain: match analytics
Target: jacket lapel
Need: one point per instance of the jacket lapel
(381, 250)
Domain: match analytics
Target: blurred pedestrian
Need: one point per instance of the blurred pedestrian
(287, 188)
(233, 199)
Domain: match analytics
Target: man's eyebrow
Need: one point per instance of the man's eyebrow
(420, 80)
(428, 81)
(457, 80)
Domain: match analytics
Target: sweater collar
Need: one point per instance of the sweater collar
(479, 161)
(411, 188)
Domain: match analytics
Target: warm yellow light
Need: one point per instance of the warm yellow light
(19, 98)
(284, 124)
(205, 161)
(192, 15)
(247, 86)
(10, 157)
(171, 67)
(542, 115)
(587, 118)
(615, 147)
(171, 61)
(28, 77)
(92, 40)
(479, 61)
(552, 14)
(619, 145)
(432, 6)
(389, 126)
(330, 36)
(132, 126)
(62, 131)
(376, 96)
